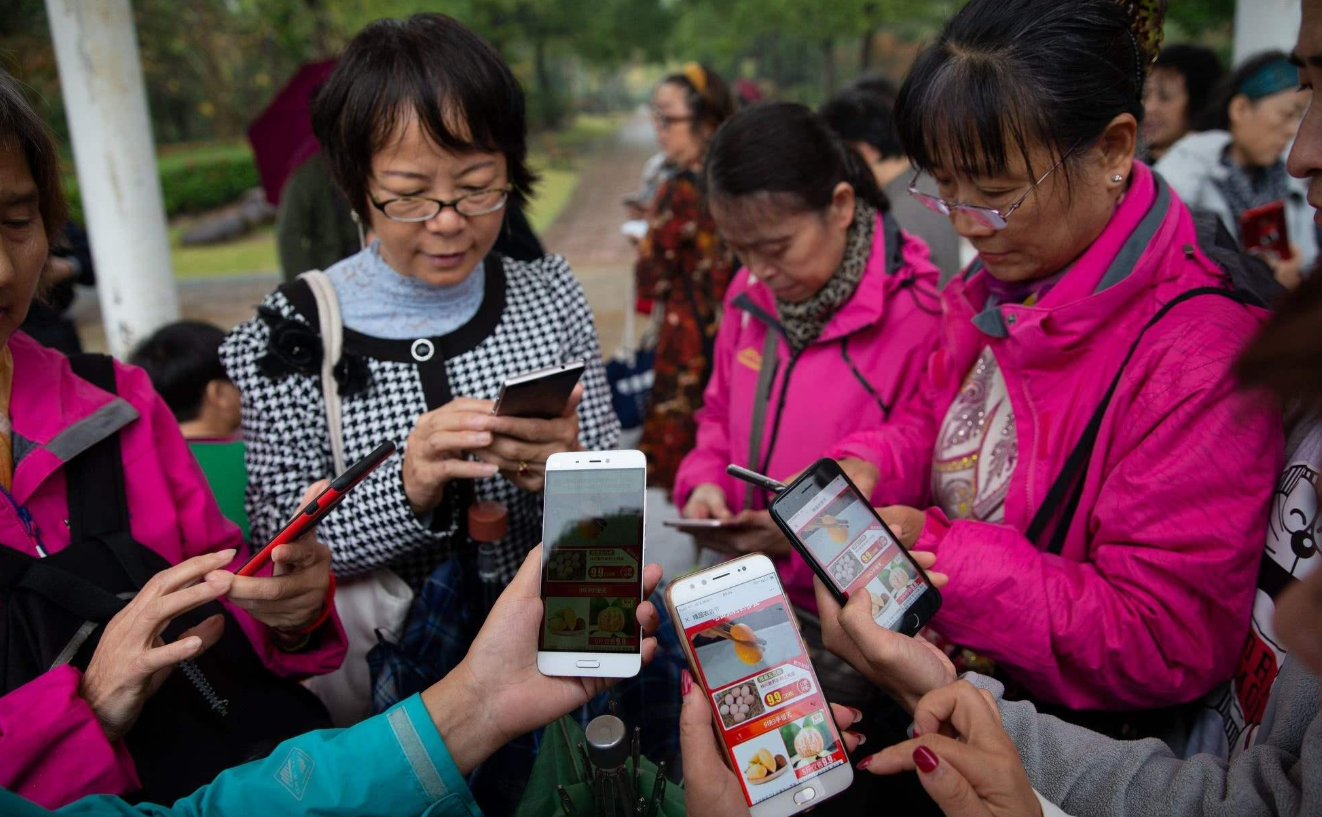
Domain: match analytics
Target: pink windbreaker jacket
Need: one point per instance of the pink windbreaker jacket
(1149, 600)
(883, 335)
(52, 749)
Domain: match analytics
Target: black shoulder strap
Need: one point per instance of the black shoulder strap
(1063, 498)
(98, 504)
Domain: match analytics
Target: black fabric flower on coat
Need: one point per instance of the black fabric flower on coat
(293, 348)
(352, 374)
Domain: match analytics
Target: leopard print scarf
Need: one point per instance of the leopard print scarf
(805, 320)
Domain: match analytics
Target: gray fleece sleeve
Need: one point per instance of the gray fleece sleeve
(1086, 773)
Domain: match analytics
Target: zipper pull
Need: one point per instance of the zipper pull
(26, 516)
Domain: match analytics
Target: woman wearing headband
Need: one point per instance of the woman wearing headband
(683, 265)
(1238, 162)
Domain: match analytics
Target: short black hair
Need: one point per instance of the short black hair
(860, 116)
(1199, 66)
(783, 148)
(181, 358)
(1216, 114)
(432, 67)
(1006, 75)
(20, 127)
(882, 87)
(711, 104)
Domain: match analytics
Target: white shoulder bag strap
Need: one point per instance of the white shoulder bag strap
(332, 342)
(369, 605)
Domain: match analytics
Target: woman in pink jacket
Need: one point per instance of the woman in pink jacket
(1132, 588)
(825, 331)
(100, 499)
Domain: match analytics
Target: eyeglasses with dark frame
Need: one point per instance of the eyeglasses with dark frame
(990, 217)
(412, 209)
(666, 120)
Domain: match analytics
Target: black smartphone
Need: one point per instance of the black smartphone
(837, 531)
(542, 394)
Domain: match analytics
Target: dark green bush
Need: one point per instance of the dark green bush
(192, 186)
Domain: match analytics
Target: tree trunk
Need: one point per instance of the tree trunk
(865, 51)
(550, 108)
(865, 47)
(828, 54)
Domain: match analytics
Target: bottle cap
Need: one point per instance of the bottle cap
(488, 521)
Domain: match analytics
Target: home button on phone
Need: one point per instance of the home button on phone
(588, 664)
(805, 796)
(915, 621)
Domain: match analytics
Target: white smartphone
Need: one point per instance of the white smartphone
(592, 563)
(744, 647)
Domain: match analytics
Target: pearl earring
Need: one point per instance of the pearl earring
(1117, 178)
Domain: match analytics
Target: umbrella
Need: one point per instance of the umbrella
(281, 136)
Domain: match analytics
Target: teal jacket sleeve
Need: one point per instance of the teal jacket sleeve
(390, 765)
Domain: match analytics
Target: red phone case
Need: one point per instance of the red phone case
(316, 510)
(1263, 229)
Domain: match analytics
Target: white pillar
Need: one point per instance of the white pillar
(1261, 25)
(96, 49)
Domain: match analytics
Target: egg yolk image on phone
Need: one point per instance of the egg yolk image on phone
(858, 553)
(774, 719)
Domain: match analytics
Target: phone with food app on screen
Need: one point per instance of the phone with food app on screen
(744, 647)
(846, 543)
(592, 563)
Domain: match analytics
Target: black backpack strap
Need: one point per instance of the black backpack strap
(64, 589)
(1063, 498)
(94, 481)
(98, 506)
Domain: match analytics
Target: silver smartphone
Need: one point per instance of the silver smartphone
(542, 394)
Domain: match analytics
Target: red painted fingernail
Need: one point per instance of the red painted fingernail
(858, 736)
(916, 733)
(925, 759)
(863, 764)
(858, 714)
(685, 683)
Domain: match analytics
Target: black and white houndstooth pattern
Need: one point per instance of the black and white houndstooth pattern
(546, 320)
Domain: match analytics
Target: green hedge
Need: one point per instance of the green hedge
(192, 185)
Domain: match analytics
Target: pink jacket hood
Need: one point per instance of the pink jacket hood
(864, 368)
(52, 749)
(1148, 603)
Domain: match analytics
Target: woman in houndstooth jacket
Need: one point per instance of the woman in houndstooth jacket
(422, 125)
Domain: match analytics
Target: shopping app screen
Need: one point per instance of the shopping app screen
(774, 719)
(843, 533)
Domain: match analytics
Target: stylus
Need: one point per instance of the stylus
(754, 478)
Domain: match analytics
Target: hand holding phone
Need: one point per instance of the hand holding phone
(707, 777)
(904, 667)
(747, 656)
(592, 567)
(850, 548)
(321, 505)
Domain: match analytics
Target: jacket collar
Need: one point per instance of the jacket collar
(1112, 258)
(888, 271)
(56, 415)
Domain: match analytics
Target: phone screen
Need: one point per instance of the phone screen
(592, 560)
(774, 719)
(843, 533)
